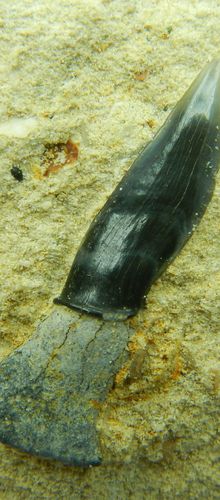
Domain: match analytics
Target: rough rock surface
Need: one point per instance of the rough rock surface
(105, 75)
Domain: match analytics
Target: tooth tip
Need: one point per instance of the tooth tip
(152, 212)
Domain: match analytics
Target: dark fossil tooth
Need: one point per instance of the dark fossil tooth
(154, 209)
(52, 387)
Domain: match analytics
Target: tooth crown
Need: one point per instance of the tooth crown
(154, 209)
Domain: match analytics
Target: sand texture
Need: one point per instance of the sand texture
(84, 86)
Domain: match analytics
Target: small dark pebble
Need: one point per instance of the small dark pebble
(17, 173)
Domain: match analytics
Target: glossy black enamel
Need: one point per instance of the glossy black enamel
(153, 211)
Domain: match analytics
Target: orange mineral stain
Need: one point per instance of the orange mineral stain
(56, 156)
(72, 151)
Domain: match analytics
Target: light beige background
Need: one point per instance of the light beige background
(106, 74)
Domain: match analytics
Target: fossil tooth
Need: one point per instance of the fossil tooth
(154, 209)
(51, 388)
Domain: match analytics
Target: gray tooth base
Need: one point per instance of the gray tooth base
(49, 386)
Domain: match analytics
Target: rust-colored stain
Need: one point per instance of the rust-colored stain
(72, 151)
(52, 169)
(177, 369)
(121, 375)
(141, 76)
(135, 344)
(56, 156)
(136, 367)
(152, 433)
